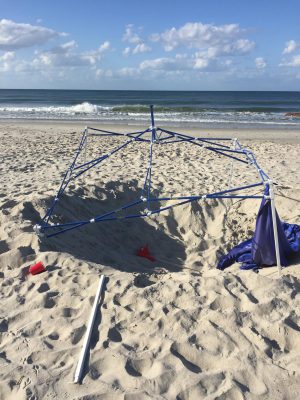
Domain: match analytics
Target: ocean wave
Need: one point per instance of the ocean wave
(139, 109)
(134, 109)
(139, 113)
(87, 108)
(82, 108)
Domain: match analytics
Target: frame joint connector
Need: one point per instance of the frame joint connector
(39, 230)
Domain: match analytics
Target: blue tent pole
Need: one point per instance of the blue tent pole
(153, 129)
(149, 171)
(234, 146)
(274, 222)
(85, 143)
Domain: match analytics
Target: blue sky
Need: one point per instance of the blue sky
(170, 45)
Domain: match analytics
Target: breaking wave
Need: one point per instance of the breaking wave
(139, 113)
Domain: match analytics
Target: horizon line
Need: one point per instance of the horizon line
(151, 90)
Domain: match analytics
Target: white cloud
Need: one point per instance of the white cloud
(64, 55)
(133, 38)
(126, 51)
(104, 47)
(290, 47)
(211, 41)
(141, 48)
(158, 63)
(130, 36)
(241, 46)
(294, 62)
(260, 63)
(166, 64)
(15, 35)
(108, 73)
(223, 38)
(128, 72)
(201, 63)
(63, 48)
(9, 55)
(147, 69)
(184, 62)
(6, 61)
(125, 72)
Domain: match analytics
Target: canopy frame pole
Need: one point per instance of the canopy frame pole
(275, 229)
(230, 180)
(66, 179)
(87, 338)
(234, 146)
(85, 143)
(153, 127)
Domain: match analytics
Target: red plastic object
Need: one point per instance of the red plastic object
(37, 268)
(144, 252)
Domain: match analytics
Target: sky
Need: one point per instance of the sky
(153, 45)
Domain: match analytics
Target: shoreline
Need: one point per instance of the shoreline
(245, 133)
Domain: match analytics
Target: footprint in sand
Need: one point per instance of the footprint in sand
(210, 386)
(130, 369)
(8, 204)
(114, 335)
(44, 287)
(53, 336)
(77, 334)
(68, 312)
(175, 350)
(3, 326)
(94, 373)
(4, 357)
(20, 299)
(3, 246)
(48, 300)
(142, 281)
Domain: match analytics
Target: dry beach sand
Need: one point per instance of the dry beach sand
(176, 328)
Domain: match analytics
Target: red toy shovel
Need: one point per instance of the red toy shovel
(144, 252)
(37, 268)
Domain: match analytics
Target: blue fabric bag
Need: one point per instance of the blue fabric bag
(260, 250)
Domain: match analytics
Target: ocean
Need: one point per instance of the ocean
(202, 109)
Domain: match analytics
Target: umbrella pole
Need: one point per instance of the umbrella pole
(85, 346)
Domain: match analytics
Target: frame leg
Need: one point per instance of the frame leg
(275, 230)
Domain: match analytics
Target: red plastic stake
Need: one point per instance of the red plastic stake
(144, 252)
(37, 268)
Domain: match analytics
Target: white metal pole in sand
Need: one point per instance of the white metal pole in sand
(87, 338)
(275, 231)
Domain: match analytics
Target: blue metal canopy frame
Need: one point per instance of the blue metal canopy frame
(158, 136)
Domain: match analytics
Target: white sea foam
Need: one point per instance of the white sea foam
(83, 108)
(119, 113)
(87, 108)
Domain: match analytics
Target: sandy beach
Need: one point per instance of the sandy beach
(176, 328)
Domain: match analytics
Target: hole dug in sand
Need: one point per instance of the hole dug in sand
(195, 233)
